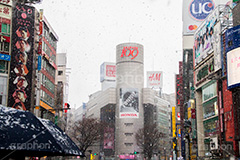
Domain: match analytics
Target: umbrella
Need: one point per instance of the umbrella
(22, 133)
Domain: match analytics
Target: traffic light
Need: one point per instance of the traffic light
(135, 152)
(66, 107)
(95, 154)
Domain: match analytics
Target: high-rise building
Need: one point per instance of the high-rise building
(33, 62)
(122, 104)
(5, 48)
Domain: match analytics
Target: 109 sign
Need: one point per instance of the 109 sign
(199, 9)
(127, 51)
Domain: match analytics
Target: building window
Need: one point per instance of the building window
(5, 28)
(3, 67)
(128, 134)
(128, 144)
(128, 124)
(60, 73)
(4, 46)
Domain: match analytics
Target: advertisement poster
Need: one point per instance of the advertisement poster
(108, 71)
(20, 80)
(108, 138)
(204, 36)
(129, 103)
(154, 79)
(232, 46)
(196, 11)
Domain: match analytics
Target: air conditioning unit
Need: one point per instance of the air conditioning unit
(214, 143)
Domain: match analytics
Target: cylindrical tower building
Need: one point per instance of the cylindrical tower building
(129, 108)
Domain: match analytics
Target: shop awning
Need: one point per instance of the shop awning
(21, 133)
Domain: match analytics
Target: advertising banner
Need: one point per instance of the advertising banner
(129, 103)
(204, 36)
(232, 45)
(108, 72)
(154, 79)
(195, 11)
(20, 80)
(108, 138)
(7, 2)
(5, 11)
(233, 68)
(174, 122)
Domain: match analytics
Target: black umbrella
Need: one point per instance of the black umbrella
(21, 133)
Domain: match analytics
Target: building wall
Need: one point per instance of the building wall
(100, 100)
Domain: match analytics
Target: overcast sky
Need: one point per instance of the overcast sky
(90, 30)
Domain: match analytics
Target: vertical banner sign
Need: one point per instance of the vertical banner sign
(129, 103)
(40, 31)
(20, 80)
(173, 122)
(154, 79)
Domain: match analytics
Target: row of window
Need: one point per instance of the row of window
(47, 98)
(47, 50)
(49, 38)
(48, 84)
(49, 68)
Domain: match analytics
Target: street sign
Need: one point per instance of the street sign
(39, 63)
(5, 57)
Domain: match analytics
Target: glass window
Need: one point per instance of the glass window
(60, 72)
(210, 127)
(6, 46)
(210, 108)
(4, 28)
(3, 67)
(209, 92)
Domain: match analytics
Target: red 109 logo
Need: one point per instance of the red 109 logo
(127, 51)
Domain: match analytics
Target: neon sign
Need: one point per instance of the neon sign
(127, 51)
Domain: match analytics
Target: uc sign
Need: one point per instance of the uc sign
(130, 51)
(199, 9)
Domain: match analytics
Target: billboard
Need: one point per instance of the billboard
(154, 79)
(7, 2)
(129, 103)
(20, 81)
(108, 72)
(5, 11)
(204, 36)
(195, 12)
(108, 141)
(232, 45)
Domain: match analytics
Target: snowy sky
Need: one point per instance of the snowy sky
(90, 30)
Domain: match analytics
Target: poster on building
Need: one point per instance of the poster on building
(155, 79)
(5, 11)
(129, 103)
(204, 36)
(108, 71)
(108, 138)
(20, 81)
(6, 2)
(196, 11)
(232, 46)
